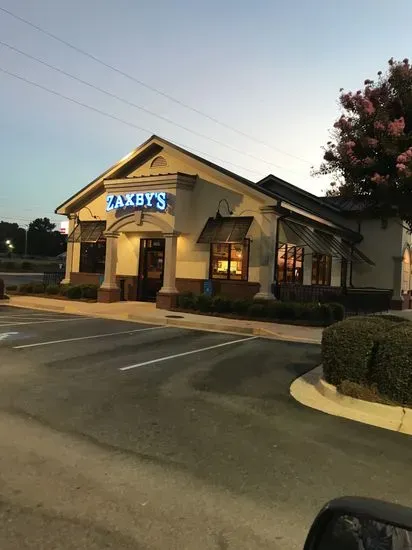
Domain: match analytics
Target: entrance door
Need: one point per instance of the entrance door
(151, 265)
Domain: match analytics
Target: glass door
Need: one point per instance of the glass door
(151, 267)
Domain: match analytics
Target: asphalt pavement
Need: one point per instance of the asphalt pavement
(129, 436)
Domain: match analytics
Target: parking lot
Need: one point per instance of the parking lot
(122, 435)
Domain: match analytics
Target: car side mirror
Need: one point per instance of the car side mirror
(353, 523)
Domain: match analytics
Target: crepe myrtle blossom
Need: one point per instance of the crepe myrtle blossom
(396, 127)
(379, 179)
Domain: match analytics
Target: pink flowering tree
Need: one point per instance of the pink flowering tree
(370, 152)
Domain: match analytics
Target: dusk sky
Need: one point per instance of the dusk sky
(271, 69)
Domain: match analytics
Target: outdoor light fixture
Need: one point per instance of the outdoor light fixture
(218, 214)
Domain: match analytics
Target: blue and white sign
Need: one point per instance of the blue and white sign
(156, 200)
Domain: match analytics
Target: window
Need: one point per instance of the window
(289, 268)
(321, 269)
(229, 261)
(92, 257)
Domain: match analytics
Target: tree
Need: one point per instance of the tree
(43, 240)
(370, 151)
(13, 233)
(42, 224)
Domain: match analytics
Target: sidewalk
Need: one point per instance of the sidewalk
(144, 312)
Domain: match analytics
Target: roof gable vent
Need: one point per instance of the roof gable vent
(158, 162)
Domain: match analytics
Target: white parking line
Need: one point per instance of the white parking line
(160, 359)
(51, 321)
(48, 343)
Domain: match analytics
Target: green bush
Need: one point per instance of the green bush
(89, 291)
(186, 300)
(52, 289)
(393, 364)
(38, 288)
(11, 288)
(257, 310)
(26, 266)
(26, 288)
(241, 306)
(338, 311)
(74, 292)
(64, 289)
(203, 303)
(222, 304)
(349, 348)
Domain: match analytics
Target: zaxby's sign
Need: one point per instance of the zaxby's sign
(155, 201)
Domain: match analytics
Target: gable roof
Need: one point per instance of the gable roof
(137, 157)
(271, 186)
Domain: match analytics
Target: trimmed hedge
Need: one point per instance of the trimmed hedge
(75, 292)
(393, 365)
(52, 289)
(315, 314)
(372, 351)
(348, 347)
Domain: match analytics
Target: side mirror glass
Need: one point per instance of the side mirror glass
(361, 524)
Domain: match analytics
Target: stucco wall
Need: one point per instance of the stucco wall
(128, 254)
(380, 245)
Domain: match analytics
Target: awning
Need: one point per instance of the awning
(87, 232)
(325, 243)
(225, 230)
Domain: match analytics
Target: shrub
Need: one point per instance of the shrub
(203, 303)
(241, 306)
(27, 266)
(283, 310)
(52, 289)
(338, 311)
(26, 288)
(349, 348)
(222, 304)
(64, 289)
(11, 288)
(89, 291)
(393, 364)
(38, 288)
(9, 265)
(186, 300)
(74, 292)
(257, 310)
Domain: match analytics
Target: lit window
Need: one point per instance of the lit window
(289, 267)
(321, 269)
(229, 261)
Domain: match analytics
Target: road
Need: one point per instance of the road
(197, 444)
(20, 278)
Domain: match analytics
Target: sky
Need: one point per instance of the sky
(270, 70)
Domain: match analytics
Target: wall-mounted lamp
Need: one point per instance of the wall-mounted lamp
(218, 214)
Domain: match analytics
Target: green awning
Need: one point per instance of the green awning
(225, 229)
(87, 232)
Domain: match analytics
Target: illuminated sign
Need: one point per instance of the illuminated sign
(157, 201)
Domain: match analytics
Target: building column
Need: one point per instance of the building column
(109, 290)
(70, 251)
(267, 253)
(397, 297)
(167, 295)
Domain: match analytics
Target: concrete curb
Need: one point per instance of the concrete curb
(311, 390)
(236, 329)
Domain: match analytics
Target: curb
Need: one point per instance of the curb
(182, 323)
(311, 390)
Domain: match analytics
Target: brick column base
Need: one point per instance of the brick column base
(166, 300)
(108, 295)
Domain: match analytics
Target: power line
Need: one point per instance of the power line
(140, 107)
(148, 86)
(113, 117)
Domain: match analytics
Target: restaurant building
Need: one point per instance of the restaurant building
(163, 221)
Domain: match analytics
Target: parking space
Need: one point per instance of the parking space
(187, 409)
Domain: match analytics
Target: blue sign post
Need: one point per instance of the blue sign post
(208, 287)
